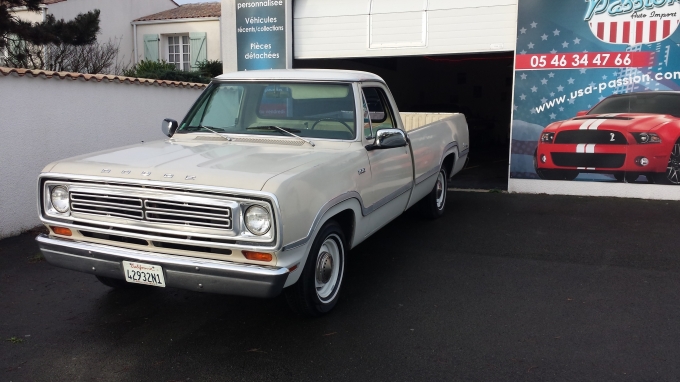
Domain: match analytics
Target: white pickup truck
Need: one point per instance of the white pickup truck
(267, 183)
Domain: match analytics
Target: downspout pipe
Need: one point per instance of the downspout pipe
(134, 37)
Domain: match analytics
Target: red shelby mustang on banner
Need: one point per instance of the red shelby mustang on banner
(625, 135)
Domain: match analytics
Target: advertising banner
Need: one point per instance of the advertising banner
(593, 97)
(261, 34)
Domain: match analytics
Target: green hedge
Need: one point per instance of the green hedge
(162, 70)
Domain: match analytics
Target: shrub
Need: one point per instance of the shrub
(210, 68)
(147, 66)
(162, 70)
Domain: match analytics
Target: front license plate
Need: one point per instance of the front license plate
(146, 274)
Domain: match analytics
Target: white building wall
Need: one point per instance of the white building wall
(115, 18)
(210, 27)
(374, 28)
(33, 17)
(45, 120)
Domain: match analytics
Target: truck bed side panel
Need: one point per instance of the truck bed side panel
(430, 144)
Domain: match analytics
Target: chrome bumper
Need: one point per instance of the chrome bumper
(200, 275)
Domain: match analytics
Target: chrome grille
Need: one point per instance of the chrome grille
(153, 210)
(107, 205)
(196, 214)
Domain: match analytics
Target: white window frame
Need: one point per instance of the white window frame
(182, 62)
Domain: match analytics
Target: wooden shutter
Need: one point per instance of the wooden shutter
(151, 47)
(198, 48)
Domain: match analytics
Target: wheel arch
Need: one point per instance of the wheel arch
(348, 214)
(449, 162)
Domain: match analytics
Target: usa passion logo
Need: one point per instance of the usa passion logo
(633, 22)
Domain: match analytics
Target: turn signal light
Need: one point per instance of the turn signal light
(258, 256)
(61, 231)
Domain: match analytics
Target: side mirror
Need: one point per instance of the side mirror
(388, 139)
(581, 113)
(169, 126)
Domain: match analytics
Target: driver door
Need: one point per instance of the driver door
(387, 195)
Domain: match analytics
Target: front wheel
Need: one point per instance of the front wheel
(317, 290)
(672, 174)
(434, 203)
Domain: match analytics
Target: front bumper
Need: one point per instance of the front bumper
(603, 158)
(200, 275)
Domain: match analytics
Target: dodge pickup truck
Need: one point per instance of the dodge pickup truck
(263, 188)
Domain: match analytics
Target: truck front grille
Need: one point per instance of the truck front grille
(191, 214)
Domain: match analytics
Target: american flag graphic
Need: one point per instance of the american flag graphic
(557, 27)
(634, 32)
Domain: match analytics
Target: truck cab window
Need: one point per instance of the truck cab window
(379, 109)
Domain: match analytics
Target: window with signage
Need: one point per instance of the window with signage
(179, 52)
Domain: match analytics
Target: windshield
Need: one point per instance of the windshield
(313, 110)
(659, 103)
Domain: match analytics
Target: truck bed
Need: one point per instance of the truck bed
(413, 121)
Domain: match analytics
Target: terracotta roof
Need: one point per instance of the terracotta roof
(187, 11)
(48, 2)
(97, 77)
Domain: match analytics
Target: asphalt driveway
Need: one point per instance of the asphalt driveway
(505, 287)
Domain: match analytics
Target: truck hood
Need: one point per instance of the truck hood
(222, 164)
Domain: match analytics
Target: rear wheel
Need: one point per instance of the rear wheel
(434, 203)
(318, 289)
(672, 174)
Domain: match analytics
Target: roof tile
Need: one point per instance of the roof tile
(97, 78)
(187, 11)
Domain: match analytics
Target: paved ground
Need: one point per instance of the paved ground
(486, 170)
(504, 288)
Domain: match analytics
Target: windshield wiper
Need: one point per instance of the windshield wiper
(210, 129)
(283, 129)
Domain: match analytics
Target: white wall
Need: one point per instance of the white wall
(33, 17)
(43, 120)
(373, 28)
(610, 189)
(210, 27)
(115, 18)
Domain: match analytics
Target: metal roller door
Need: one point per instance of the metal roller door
(376, 28)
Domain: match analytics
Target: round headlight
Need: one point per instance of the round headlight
(59, 197)
(257, 220)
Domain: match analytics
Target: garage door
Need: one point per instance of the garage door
(374, 28)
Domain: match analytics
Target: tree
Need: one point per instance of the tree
(82, 30)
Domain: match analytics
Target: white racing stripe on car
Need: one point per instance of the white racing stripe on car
(590, 168)
(585, 148)
(586, 123)
(580, 168)
(597, 124)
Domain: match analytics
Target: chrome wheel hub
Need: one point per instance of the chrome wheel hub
(329, 264)
(440, 192)
(324, 268)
